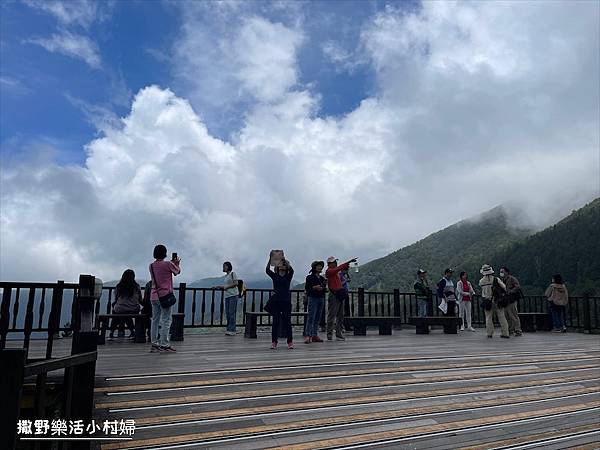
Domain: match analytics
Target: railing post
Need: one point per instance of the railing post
(179, 318)
(82, 383)
(4, 316)
(396, 302)
(587, 318)
(11, 388)
(361, 302)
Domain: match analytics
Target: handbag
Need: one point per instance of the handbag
(166, 301)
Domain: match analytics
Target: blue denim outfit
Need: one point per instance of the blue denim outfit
(422, 305)
(231, 312)
(315, 309)
(558, 316)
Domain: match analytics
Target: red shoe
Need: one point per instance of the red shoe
(307, 340)
(290, 345)
(273, 345)
(316, 339)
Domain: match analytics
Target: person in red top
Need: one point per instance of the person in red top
(336, 298)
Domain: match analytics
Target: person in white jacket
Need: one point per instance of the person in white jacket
(464, 295)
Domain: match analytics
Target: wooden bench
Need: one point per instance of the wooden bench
(450, 324)
(140, 321)
(251, 323)
(531, 322)
(384, 323)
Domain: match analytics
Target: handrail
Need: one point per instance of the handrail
(49, 365)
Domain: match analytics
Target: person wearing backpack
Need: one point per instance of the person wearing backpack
(558, 297)
(231, 294)
(513, 294)
(162, 297)
(493, 293)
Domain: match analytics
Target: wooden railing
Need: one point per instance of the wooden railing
(19, 368)
(205, 307)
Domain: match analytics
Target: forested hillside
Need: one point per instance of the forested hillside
(570, 247)
(460, 246)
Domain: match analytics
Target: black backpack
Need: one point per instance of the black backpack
(499, 294)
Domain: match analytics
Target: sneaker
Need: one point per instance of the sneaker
(564, 330)
(168, 349)
(230, 333)
(307, 340)
(273, 345)
(329, 337)
(131, 336)
(471, 329)
(505, 337)
(290, 346)
(316, 339)
(155, 349)
(518, 333)
(340, 337)
(462, 328)
(557, 331)
(489, 337)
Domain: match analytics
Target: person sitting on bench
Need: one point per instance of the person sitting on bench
(128, 296)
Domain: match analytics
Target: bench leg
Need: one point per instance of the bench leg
(360, 330)
(422, 328)
(451, 329)
(140, 330)
(177, 328)
(527, 324)
(544, 323)
(385, 329)
(250, 331)
(102, 331)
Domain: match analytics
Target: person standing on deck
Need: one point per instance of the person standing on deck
(464, 296)
(281, 301)
(513, 292)
(336, 298)
(161, 273)
(558, 298)
(231, 294)
(491, 289)
(422, 292)
(345, 279)
(315, 287)
(446, 291)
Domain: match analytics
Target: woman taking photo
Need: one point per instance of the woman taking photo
(161, 274)
(280, 303)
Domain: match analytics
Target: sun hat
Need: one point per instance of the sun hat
(331, 259)
(486, 269)
(420, 271)
(316, 263)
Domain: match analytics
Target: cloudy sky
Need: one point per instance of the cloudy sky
(225, 129)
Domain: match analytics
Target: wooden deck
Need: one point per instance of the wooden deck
(404, 391)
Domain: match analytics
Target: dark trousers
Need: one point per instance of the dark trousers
(115, 321)
(347, 325)
(451, 309)
(281, 314)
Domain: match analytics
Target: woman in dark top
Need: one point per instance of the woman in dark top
(315, 287)
(128, 298)
(281, 301)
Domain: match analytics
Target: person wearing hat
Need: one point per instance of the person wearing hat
(446, 291)
(491, 288)
(513, 292)
(315, 287)
(336, 298)
(422, 292)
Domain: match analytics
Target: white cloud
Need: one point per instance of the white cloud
(73, 45)
(74, 12)
(447, 135)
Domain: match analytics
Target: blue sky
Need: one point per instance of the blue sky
(41, 90)
(226, 129)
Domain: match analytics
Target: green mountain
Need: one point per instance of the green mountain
(569, 247)
(460, 246)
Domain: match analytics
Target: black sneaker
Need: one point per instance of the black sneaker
(155, 348)
(505, 337)
(168, 349)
